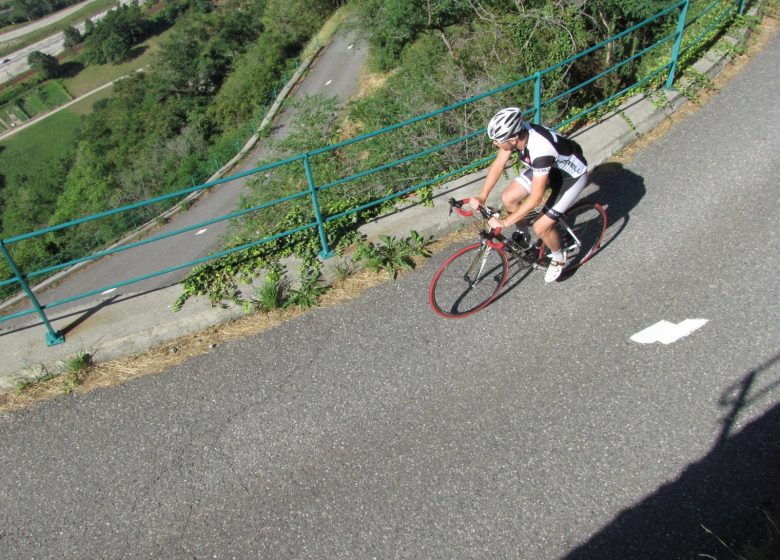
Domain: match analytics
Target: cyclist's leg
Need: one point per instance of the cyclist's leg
(544, 225)
(517, 190)
(571, 188)
(565, 191)
(512, 197)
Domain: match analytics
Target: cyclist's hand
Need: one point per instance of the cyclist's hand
(495, 223)
(474, 203)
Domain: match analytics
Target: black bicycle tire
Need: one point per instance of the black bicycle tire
(444, 309)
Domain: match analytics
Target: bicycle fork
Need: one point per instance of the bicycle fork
(480, 258)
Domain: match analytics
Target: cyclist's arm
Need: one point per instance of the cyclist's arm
(494, 173)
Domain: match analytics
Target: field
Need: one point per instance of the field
(33, 149)
(40, 99)
(92, 77)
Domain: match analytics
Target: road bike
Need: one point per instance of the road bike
(472, 277)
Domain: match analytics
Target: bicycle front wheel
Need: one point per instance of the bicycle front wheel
(468, 280)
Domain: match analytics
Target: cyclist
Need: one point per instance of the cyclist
(553, 161)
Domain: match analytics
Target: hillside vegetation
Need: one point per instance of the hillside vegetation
(425, 56)
(217, 68)
(222, 62)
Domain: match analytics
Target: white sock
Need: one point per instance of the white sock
(557, 256)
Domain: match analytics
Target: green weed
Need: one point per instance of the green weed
(309, 292)
(271, 293)
(392, 254)
(33, 378)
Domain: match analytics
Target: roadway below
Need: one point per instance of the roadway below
(334, 73)
(15, 63)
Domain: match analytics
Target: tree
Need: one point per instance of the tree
(295, 20)
(72, 37)
(26, 8)
(114, 35)
(250, 84)
(45, 64)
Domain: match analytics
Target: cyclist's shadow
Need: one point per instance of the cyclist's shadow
(618, 190)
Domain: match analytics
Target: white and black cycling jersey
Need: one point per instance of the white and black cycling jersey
(546, 149)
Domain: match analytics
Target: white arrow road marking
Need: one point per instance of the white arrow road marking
(201, 232)
(328, 82)
(666, 332)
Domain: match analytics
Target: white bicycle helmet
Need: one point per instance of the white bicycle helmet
(505, 124)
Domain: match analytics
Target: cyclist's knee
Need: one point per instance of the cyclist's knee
(511, 197)
(543, 225)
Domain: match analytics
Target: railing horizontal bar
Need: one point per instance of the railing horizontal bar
(614, 38)
(167, 270)
(613, 97)
(432, 114)
(694, 42)
(609, 70)
(107, 252)
(406, 159)
(150, 201)
(411, 189)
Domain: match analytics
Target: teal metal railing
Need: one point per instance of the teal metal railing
(708, 19)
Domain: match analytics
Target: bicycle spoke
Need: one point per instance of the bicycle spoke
(588, 222)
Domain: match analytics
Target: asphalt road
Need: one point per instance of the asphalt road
(535, 429)
(23, 30)
(16, 62)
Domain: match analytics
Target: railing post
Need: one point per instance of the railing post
(677, 43)
(326, 251)
(742, 7)
(52, 337)
(538, 98)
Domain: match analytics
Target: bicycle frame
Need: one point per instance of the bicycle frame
(482, 258)
(474, 275)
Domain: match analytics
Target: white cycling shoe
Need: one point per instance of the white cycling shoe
(554, 269)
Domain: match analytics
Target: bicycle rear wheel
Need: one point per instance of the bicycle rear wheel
(589, 223)
(468, 280)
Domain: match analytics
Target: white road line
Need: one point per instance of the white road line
(350, 47)
(201, 232)
(666, 332)
(108, 291)
(328, 82)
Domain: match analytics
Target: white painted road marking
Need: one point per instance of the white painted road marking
(666, 332)
(108, 291)
(350, 47)
(201, 232)
(328, 82)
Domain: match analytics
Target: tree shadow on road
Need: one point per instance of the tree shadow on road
(719, 505)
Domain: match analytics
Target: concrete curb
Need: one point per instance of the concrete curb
(132, 324)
